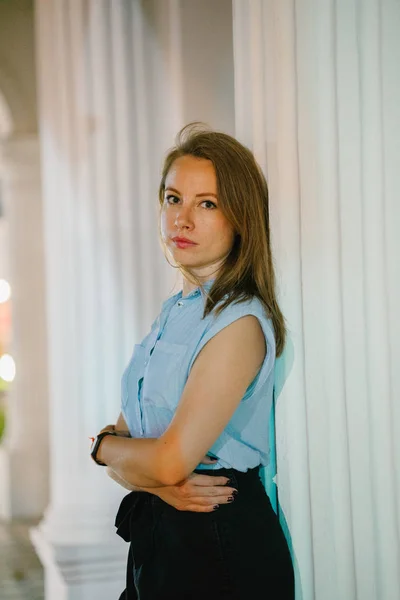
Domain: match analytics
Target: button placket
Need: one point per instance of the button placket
(164, 319)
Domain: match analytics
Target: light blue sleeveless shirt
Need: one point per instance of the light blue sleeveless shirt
(155, 377)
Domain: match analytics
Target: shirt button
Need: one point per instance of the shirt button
(180, 303)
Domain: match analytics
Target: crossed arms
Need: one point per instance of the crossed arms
(220, 375)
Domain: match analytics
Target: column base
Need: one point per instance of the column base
(24, 484)
(81, 571)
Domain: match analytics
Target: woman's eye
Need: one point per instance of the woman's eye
(210, 204)
(170, 199)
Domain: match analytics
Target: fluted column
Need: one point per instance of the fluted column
(102, 141)
(317, 97)
(24, 451)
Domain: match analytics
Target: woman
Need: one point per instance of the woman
(197, 393)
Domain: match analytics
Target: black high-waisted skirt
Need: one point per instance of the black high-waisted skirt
(237, 552)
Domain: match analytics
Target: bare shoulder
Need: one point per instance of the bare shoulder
(242, 338)
(245, 329)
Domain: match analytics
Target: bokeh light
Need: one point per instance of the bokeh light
(7, 368)
(5, 291)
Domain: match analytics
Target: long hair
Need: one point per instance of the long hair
(243, 197)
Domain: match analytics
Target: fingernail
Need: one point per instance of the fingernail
(235, 493)
(231, 499)
(215, 506)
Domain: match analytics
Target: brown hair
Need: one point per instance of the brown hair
(243, 197)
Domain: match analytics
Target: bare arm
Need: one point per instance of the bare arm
(122, 429)
(122, 482)
(199, 493)
(218, 380)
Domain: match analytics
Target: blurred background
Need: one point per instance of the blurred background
(92, 94)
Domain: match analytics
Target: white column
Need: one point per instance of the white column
(317, 97)
(24, 451)
(205, 35)
(107, 115)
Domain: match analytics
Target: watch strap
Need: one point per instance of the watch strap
(96, 446)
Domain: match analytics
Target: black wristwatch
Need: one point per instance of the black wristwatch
(96, 446)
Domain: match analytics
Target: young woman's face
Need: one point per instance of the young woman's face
(190, 211)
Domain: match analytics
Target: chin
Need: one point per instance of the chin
(187, 261)
(188, 264)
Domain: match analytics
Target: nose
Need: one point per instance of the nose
(183, 218)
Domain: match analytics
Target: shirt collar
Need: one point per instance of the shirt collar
(207, 286)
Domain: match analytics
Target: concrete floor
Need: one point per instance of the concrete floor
(21, 573)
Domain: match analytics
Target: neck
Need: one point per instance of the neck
(188, 286)
(203, 275)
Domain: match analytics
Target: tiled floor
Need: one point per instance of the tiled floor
(21, 574)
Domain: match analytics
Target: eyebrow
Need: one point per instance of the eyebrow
(171, 189)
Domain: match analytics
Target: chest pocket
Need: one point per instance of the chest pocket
(164, 378)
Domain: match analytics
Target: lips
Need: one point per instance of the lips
(183, 240)
(183, 243)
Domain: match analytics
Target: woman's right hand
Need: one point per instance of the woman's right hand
(198, 493)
